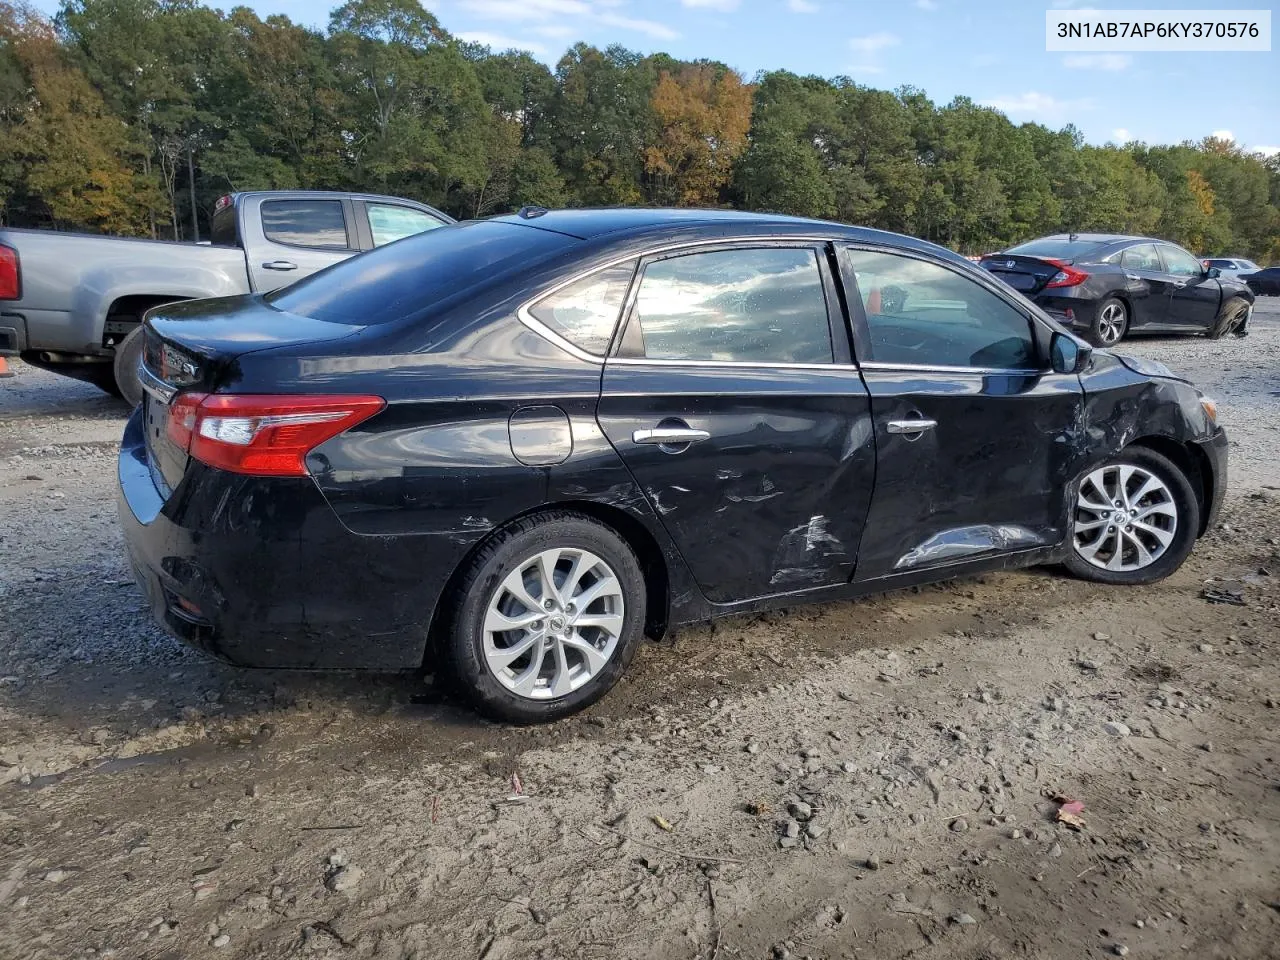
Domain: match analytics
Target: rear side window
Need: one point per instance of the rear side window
(305, 223)
(923, 314)
(1057, 248)
(223, 228)
(404, 279)
(753, 305)
(390, 221)
(1141, 257)
(586, 311)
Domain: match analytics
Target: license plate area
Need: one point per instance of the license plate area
(167, 462)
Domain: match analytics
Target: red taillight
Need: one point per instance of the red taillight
(10, 274)
(1066, 276)
(262, 434)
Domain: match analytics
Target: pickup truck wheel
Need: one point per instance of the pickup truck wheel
(125, 368)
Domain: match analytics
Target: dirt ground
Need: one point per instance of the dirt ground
(869, 780)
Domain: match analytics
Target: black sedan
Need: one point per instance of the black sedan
(1109, 286)
(517, 445)
(1264, 282)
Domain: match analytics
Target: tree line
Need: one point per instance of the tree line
(134, 116)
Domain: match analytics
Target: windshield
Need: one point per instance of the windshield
(1057, 248)
(406, 277)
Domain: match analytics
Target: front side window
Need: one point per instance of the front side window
(1179, 263)
(1142, 256)
(763, 305)
(586, 311)
(390, 221)
(305, 223)
(924, 314)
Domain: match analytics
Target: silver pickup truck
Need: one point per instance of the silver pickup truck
(70, 302)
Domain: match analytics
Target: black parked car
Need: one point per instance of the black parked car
(1265, 282)
(1109, 286)
(519, 444)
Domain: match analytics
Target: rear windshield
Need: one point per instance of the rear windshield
(404, 278)
(1058, 248)
(223, 233)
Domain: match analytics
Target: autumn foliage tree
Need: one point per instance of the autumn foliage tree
(702, 113)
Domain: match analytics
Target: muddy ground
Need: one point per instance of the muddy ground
(154, 804)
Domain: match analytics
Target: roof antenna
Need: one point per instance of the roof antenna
(530, 212)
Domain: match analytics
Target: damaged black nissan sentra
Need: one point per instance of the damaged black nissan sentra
(517, 445)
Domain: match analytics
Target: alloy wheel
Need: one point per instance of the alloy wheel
(1111, 323)
(553, 623)
(1125, 518)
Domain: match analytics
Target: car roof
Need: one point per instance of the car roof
(618, 223)
(1099, 238)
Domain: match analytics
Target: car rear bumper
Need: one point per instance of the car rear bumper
(259, 572)
(1075, 313)
(1215, 455)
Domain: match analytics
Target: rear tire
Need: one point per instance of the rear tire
(125, 367)
(1110, 323)
(526, 652)
(1230, 318)
(1134, 521)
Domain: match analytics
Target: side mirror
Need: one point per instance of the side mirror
(1213, 273)
(1068, 354)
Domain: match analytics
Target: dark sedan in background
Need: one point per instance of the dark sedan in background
(1108, 286)
(1265, 282)
(519, 444)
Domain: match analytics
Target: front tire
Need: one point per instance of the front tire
(550, 613)
(1230, 318)
(1134, 521)
(1110, 323)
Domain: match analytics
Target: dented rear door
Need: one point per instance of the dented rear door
(741, 417)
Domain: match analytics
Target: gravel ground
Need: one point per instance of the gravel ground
(872, 779)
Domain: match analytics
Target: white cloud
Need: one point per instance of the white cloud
(1098, 61)
(802, 6)
(1121, 135)
(866, 68)
(873, 43)
(653, 28)
(724, 6)
(1040, 107)
(498, 42)
(1223, 135)
(1265, 151)
(565, 18)
(927, 4)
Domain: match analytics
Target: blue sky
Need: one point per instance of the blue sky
(990, 50)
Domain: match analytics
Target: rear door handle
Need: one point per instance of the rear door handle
(1132, 276)
(669, 436)
(910, 426)
(279, 265)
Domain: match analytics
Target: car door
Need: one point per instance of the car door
(1146, 287)
(293, 237)
(731, 399)
(977, 440)
(1195, 296)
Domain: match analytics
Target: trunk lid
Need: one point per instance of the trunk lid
(194, 346)
(1027, 275)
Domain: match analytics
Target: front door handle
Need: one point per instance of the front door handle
(1132, 276)
(910, 426)
(1179, 283)
(669, 436)
(279, 265)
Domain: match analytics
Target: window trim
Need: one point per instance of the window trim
(861, 330)
(643, 256)
(526, 316)
(628, 348)
(348, 221)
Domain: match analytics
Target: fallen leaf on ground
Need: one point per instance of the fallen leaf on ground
(662, 822)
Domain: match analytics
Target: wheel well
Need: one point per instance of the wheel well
(135, 305)
(652, 564)
(1192, 461)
